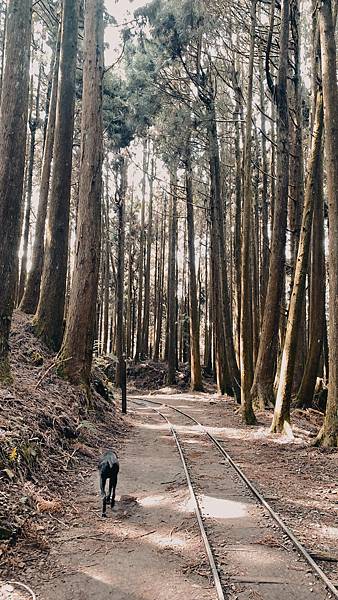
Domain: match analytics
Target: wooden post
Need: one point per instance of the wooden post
(123, 383)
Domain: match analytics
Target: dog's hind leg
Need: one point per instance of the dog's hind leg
(111, 481)
(103, 494)
(112, 485)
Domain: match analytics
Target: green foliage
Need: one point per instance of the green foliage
(155, 88)
(172, 128)
(160, 53)
(108, 18)
(173, 24)
(117, 114)
(145, 98)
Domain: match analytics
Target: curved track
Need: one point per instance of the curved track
(145, 402)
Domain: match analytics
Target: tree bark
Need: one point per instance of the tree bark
(317, 272)
(31, 295)
(121, 199)
(33, 122)
(246, 323)
(13, 124)
(296, 192)
(262, 388)
(146, 313)
(77, 347)
(49, 317)
(129, 341)
(195, 360)
(106, 265)
(329, 433)
(172, 281)
(264, 197)
(238, 204)
(281, 418)
(317, 297)
(138, 352)
(226, 363)
(3, 42)
(160, 294)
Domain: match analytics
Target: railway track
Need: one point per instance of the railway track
(264, 587)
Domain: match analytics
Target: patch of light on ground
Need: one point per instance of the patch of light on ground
(187, 506)
(220, 508)
(152, 426)
(331, 532)
(168, 540)
(154, 500)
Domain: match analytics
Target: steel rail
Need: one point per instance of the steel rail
(329, 584)
(215, 574)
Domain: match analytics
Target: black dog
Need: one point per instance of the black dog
(109, 468)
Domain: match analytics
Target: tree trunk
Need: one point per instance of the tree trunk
(317, 297)
(296, 192)
(138, 352)
(78, 342)
(264, 197)
(160, 294)
(30, 298)
(129, 343)
(317, 272)
(246, 324)
(281, 419)
(255, 266)
(238, 205)
(225, 352)
(33, 125)
(146, 315)
(172, 282)
(264, 376)
(13, 124)
(329, 433)
(3, 42)
(195, 360)
(208, 308)
(106, 266)
(120, 334)
(50, 312)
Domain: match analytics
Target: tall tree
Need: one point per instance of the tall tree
(77, 348)
(329, 434)
(195, 360)
(172, 279)
(33, 122)
(138, 351)
(317, 270)
(227, 372)
(30, 298)
(281, 420)
(246, 322)
(13, 125)
(121, 191)
(50, 311)
(267, 354)
(146, 315)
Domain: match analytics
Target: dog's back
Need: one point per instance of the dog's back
(109, 464)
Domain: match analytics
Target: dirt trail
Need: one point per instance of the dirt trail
(147, 549)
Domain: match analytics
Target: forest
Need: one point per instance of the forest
(168, 226)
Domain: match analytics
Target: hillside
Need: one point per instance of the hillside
(47, 429)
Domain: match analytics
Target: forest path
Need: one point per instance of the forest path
(149, 547)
